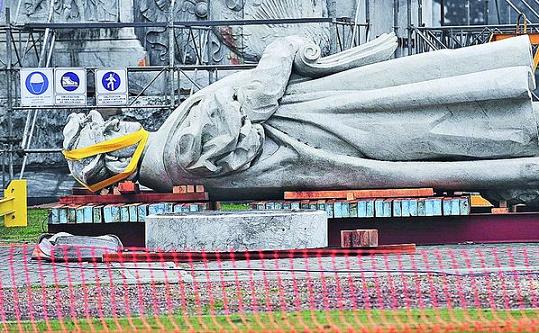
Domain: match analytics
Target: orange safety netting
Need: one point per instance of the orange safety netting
(468, 288)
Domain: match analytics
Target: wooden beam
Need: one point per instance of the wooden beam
(360, 194)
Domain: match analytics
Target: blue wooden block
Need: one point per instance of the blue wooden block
(295, 205)
(63, 215)
(287, 205)
(260, 206)
(455, 206)
(313, 205)
(193, 207)
(388, 207)
(54, 215)
(369, 208)
(97, 214)
(330, 209)
(177, 208)
(464, 206)
(203, 206)
(72, 214)
(278, 205)
(437, 207)
(169, 207)
(345, 209)
(186, 208)
(362, 209)
(133, 213)
(270, 206)
(337, 209)
(429, 207)
(142, 212)
(115, 210)
(304, 204)
(379, 208)
(156, 209)
(405, 207)
(353, 208)
(412, 207)
(321, 205)
(107, 214)
(124, 213)
(397, 208)
(421, 207)
(79, 215)
(446, 207)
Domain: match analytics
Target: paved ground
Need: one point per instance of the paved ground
(504, 276)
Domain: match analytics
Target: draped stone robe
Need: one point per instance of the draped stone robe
(453, 119)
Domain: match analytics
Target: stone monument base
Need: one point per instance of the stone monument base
(237, 231)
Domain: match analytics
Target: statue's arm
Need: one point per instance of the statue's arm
(259, 96)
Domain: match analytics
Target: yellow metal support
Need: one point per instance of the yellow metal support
(13, 207)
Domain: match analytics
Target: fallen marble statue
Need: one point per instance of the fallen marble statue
(65, 247)
(450, 119)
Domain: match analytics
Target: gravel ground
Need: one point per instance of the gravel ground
(481, 276)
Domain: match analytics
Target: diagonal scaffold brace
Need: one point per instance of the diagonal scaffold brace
(13, 207)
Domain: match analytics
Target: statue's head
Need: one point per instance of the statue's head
(91, 131)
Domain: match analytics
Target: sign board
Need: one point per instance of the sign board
(37, 86)
(111, 87)
(70, 86)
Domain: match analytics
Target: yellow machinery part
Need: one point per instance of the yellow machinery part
(13, 207)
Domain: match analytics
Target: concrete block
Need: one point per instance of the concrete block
(359, 238)
(238, 231)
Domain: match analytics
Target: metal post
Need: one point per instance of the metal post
(171, 52)
(9, 101)
(468, 12)
(409, 18)
(419, 13)
(396, 17)
(486, 13)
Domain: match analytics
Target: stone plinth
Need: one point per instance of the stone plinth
(238, 231)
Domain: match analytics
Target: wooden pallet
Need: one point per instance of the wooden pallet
(186, 257)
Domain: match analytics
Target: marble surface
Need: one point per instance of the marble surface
(237, 231)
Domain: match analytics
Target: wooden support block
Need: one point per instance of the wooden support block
(190, 188)
(405, 207)
(116, 191)
(133, 212)
(321, 205)
(379, 208)
(179, 189)
(330, 208)
(295, 205)
(353, 208)
(142, 212)
(124, 213)
(362, 209)
(63, 214)
(397, 208)
(360, 194)
(421, 207)
(370, 209)
(200, 188)
(388, 203)
(54, 214)
(156, 209)
(501, 210)
(128, 187)
(359, 238)
(287, 205)
(270, 205)
(337, 209)
(72, 214)
(97, 214)
(465, 206)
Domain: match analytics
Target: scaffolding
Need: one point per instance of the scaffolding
(36, 42)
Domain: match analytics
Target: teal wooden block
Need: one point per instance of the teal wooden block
(177, 208)
(62, 215)
(447, 207)
(304, 204)
(261, 206)
(107, 214)
(362, 209)
(133, 212)
(405, 207)
(203, 206)
(270, 205)
(397, 208)
(388, 203)
(79, 215)
(321, 206)
(465, 206)
(330, 209)
(124, 213)
(169, 207)
(337, 209)
(142, 212)
(54, 214)
(379, 208)
(437, 206)
(72, 215)
(193, 207)
(313, 205)
(369, 209)
(88, 214)
(287, 205)
(429, 207)
(97, 212)
(186, 208)
(353, 208)
(345, 209)
(455, 206)
(412, 207)
(278, 205)
(156, 209)
(116, 215)
(295, 205)
(421, 207)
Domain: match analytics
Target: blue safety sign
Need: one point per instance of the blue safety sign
(111, 81)
(70, 81)
(37, 83)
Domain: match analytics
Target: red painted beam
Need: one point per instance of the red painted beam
(144, 197)
(360, 194)
(185, 257)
